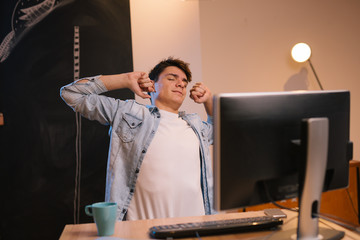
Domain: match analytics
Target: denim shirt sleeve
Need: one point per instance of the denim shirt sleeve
(85, 98)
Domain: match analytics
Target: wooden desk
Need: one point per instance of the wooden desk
(139, 229)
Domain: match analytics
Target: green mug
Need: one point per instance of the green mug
(104, 214)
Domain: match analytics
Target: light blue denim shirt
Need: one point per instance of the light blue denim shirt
(132, 128)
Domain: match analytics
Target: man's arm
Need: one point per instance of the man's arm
(84, 95)
(138, 82)
(201, 94)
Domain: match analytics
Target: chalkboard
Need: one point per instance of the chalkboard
(38, 140)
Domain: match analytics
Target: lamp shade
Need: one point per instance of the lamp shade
(301, 52)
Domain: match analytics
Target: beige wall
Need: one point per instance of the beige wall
(244, 45)
(163, 28)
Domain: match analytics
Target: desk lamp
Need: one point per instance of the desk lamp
(301, 52)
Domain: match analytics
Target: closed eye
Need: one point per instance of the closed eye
(173, 77)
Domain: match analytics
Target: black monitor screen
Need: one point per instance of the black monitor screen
(256, 145)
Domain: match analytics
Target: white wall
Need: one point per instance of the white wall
(244, 45)
(163, 28)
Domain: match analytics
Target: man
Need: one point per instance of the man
(159, 161)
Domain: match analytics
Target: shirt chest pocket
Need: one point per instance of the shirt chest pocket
(128, 127)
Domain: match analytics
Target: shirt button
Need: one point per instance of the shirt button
(131, 190)
(137, 170)
(133, 124)
(124, 210)
(143, 151)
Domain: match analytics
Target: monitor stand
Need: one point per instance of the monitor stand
(315, 142)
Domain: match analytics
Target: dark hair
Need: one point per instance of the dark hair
(159, 68)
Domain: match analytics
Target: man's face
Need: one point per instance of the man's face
(170, 89)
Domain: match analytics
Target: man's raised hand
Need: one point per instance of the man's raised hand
(139, 82)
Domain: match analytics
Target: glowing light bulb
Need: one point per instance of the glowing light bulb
(301, 52)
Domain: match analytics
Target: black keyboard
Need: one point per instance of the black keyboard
(198, 229)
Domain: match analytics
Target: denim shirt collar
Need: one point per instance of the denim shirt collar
(154, 109)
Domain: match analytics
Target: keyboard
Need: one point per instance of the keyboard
(198, 229)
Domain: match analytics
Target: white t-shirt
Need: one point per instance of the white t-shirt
(168, 184)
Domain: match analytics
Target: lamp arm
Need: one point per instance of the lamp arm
(317, 78)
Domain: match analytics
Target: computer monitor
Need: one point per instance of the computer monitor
(273, 146)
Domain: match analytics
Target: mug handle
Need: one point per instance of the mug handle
(88, 210)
